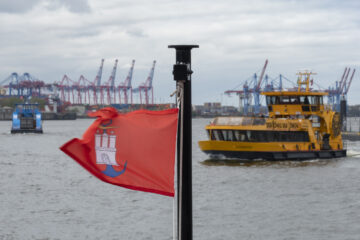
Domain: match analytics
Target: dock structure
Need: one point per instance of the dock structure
(82, 91)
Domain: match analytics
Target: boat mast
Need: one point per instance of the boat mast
(306, 74)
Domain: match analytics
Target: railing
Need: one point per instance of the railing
(239, 121)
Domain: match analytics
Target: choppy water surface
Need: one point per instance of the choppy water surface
(46, 195)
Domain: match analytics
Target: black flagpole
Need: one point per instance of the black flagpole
(182, 75)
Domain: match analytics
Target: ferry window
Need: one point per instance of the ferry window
(259, 121)
(231, 136)
(305, 137)
(249, 135)
(221, 136)
(257, 136)
(211, 134)
(228, 135)
(304, 100)
(273, 100)
(284, 99)
(292, 136)
(296, 136)
(268, 100)
(243, 136)
(218, 135)
(318, 100)
(305, 108)
(271, 136)
(240, 136)
(254, 136)
(237, 135)
(277, 100)
(215, 135)
(294, 100)
(261, 136)
(283, 137)
(234, 136)
(312, 100)
(225, 135)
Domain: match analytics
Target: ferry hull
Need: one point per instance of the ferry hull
(26, 131)
(279, 156)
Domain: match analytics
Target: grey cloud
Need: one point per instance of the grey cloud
(22, 6)
(136, 33)
(17, 6)
(235, 38)
(78, 6)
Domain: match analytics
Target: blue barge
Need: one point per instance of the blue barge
(26, 118)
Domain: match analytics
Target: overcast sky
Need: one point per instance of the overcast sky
(50, 38)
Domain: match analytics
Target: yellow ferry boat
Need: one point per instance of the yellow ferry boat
(299, 127)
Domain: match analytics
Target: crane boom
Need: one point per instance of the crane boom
(148, 82)
(111, 80)
(262, 74)
(13, 76)
(342, 78)
(344, 82)
(97, 80)
(351, 78)
(127, 82)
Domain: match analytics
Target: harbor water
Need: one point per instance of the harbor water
(46, 195)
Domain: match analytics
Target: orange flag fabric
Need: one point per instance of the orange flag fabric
(135, 150)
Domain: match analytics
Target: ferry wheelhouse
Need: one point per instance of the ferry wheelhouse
(299, 127)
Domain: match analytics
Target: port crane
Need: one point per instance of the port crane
(65, 89)
(109, 87)
(341, 89)
(257, 89)
(81, 91)
(252, 87)
(25, 85)
(126, 87)
(252, 91)
(147, 86)
(97, 82)
(10, 82)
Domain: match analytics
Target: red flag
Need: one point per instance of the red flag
(134, 150)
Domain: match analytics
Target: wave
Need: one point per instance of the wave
(352, 153)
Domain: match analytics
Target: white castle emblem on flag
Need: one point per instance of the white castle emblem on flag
(105, 148)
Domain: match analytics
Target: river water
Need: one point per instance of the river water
(46, 195)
